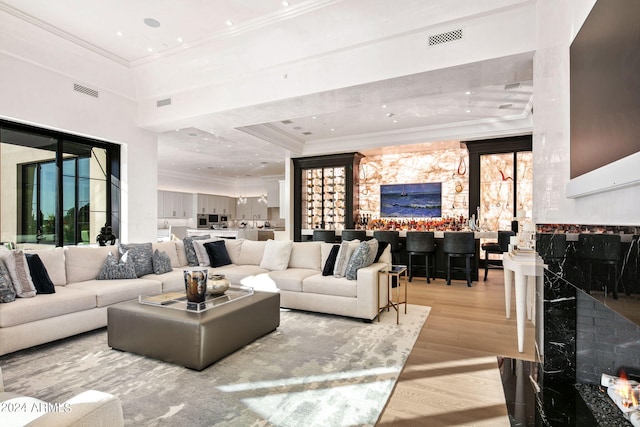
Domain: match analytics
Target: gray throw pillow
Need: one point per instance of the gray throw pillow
(7, 292)
(141, 254)
(112, 269)
(161, 262)
(358, 259)
(190, 251)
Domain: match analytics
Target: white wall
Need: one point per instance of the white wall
(35, 95)
(557, 24)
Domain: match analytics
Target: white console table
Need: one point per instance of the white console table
(528, 273)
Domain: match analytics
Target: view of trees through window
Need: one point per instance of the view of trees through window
(56, 189)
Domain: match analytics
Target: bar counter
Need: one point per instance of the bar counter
(403, 233)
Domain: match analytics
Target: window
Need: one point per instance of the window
(57, 189)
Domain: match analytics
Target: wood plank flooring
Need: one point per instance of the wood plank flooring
(451, 377)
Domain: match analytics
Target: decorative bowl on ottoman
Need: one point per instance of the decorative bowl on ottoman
(217, 284)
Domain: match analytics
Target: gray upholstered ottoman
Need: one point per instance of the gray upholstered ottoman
(192, 339)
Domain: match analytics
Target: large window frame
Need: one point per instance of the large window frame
(70, 150)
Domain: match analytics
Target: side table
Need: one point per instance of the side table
(400, 273)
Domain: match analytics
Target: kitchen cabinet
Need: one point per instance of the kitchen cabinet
(252, 210)
(173, 204)
(211, 204)
(325, 192)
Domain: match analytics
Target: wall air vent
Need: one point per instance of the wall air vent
(511, 86)
(85, 90)
(163, 102)
(447, 37)
(505, 106)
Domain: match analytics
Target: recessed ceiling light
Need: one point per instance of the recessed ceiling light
(180, 40)
(332, 129)
(395, 121)
(468, 92)
(120, 34)
(286, 3)
(151, 22)
(390, 114)
(314, 117)
(229, 23)
(468, 111)
(149, 49)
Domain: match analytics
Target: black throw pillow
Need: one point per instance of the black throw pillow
(39, 275)
(218, 255)
(381, 247)
(331, 261)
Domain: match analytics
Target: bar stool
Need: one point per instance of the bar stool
(354, 235)
(459, 244)
(391, 237)
(602, 249)
(552, 248)
(327, 236)
(421, 243)
(498, 248)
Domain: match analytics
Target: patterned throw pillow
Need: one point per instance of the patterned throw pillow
(112, 269)
(7, 292)
(190, 251)
(16, 264)
(358, 259)
(141, 254)
(161, 262)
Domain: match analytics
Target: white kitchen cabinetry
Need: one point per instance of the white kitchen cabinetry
(251, 210)
(210, 204)
(175, 205)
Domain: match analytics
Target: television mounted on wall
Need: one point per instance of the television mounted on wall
(422, 200)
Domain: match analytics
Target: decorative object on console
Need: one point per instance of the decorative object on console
(217, 284)
(106, 235)
(195, 283)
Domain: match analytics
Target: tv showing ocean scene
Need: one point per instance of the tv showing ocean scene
(411, 200)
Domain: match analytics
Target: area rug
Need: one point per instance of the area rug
(314, 370)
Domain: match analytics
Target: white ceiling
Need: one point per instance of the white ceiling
(253, 140)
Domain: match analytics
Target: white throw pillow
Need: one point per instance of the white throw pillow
(344, 255)
(276, 255)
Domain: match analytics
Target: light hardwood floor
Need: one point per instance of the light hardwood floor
(451, 377)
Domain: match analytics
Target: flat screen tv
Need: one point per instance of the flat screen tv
(411, 200)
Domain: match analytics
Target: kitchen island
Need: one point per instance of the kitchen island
(234, 233)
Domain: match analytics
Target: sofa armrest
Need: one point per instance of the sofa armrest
(368, 289)
(1, 381)
(90, 408)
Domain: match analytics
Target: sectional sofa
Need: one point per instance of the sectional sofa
(80, 301)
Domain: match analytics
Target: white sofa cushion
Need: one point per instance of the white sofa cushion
(276, 255)
(85, 262)
(109, 292)
(53, 260)
(170, 248)
(291, 279)
(172, 281)
(238, 273)
(233, 249)
(307, 255)
(45, 306)
(182, 254)
(250, 252)
(330, 285)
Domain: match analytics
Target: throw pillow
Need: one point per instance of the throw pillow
(373, 250)
(39, 275)
(7, 292)
(112, 269)
(190, 251)
(218, 255)
(16, 264)
(358, 259)
(161, 262)
(141, 255)
(330, 264)
(381, 247)
(344, 254)
(201, 252)
(276, 255)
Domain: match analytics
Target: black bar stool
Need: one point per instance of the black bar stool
(421, 243)
(391, 237)
(552, 248)
(327, 236)
(498, 248)
(459, 244)
(353, 235)
(602, 249)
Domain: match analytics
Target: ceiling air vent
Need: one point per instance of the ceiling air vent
(505, 106)
(511, 86)
(286, 122)
(307, 133)
(85, 90)
(447, 37)
(163, 102)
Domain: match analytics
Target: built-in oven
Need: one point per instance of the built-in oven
(203, 221)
